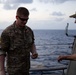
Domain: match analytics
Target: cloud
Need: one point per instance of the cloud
(55, 1)
(57, 14)
(16, 1)
(12, 4)
(59, 19)
(34, 9)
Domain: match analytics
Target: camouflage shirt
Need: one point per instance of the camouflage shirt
(16, 43)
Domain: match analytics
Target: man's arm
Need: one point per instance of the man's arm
(2, 61)
(34, 52)
(67, 57)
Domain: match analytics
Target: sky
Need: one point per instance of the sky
(44, 14)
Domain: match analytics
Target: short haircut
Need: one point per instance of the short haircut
(22, 11)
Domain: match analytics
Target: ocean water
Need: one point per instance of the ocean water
(50, 44)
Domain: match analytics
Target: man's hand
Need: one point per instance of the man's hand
(34, 56)
(60, 58)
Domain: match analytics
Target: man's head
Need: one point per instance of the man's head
(22, 11)
(22, 16)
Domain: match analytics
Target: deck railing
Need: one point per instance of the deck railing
(44, 70)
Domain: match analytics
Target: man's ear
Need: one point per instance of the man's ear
(16, 17)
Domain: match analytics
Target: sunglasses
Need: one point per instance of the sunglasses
(22, 19)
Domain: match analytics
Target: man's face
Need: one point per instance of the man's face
(22, 20)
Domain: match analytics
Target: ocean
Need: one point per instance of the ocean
(50, 44)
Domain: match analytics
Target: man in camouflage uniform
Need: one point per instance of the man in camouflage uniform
(17, 41)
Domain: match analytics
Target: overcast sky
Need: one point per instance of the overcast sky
(44, 14)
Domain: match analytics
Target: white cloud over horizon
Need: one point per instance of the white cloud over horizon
(12, 4)
(44, 14)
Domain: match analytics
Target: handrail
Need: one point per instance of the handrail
(41, 70)
(48, 69)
